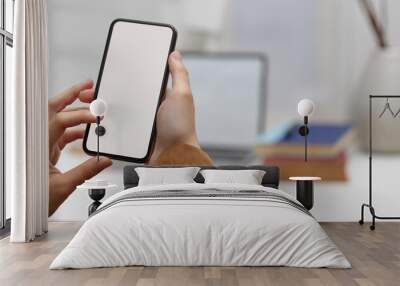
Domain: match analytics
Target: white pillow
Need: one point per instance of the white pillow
(163, 176)
(248, 177)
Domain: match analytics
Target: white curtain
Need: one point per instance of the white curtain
(27, 123)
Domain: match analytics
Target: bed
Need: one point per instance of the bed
(201, 224)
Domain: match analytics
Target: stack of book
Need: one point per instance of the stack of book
(327, 158)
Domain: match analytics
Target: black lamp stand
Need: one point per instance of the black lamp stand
(303, 131)
(100, 131)
(96, 195)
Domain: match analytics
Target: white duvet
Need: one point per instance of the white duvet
(200, 231)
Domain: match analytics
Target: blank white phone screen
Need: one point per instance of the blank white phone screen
(131, 84)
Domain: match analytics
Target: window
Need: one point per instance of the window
(6, 44)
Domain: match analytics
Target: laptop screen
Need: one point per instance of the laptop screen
(229, 94)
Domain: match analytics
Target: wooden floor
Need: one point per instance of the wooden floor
(375, 257)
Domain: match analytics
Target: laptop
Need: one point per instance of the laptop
(229, 92)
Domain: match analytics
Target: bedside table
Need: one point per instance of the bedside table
(96, 190)
(305, 190)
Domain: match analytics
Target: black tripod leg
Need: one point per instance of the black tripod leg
(372, 210)
(361, 221)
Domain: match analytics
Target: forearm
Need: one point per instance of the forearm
(57, 195)
(182, 154)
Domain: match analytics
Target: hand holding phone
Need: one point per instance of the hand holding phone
(176, 115)
(132, 80)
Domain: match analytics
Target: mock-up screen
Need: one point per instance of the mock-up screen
(131, 84)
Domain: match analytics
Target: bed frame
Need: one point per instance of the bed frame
(270, 179)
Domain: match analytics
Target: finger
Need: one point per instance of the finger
(74, 118)
(68, 96)
(179, 74)
(86, 170)
(69, 136)
(69, 109)
(86, 95)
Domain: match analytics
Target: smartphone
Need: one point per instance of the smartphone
(132, 80)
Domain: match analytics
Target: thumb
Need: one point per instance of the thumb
(179, 74)
(86, 170)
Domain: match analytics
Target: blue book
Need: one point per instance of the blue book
(324, 139)
(276, 134)
(320, 134)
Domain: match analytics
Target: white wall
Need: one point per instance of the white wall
(284, 30)
(316, 49)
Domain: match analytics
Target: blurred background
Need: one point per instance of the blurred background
(250, 62)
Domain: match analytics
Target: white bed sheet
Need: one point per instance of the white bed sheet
(199, 231)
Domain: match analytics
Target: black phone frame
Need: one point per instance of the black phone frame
(160, 98)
